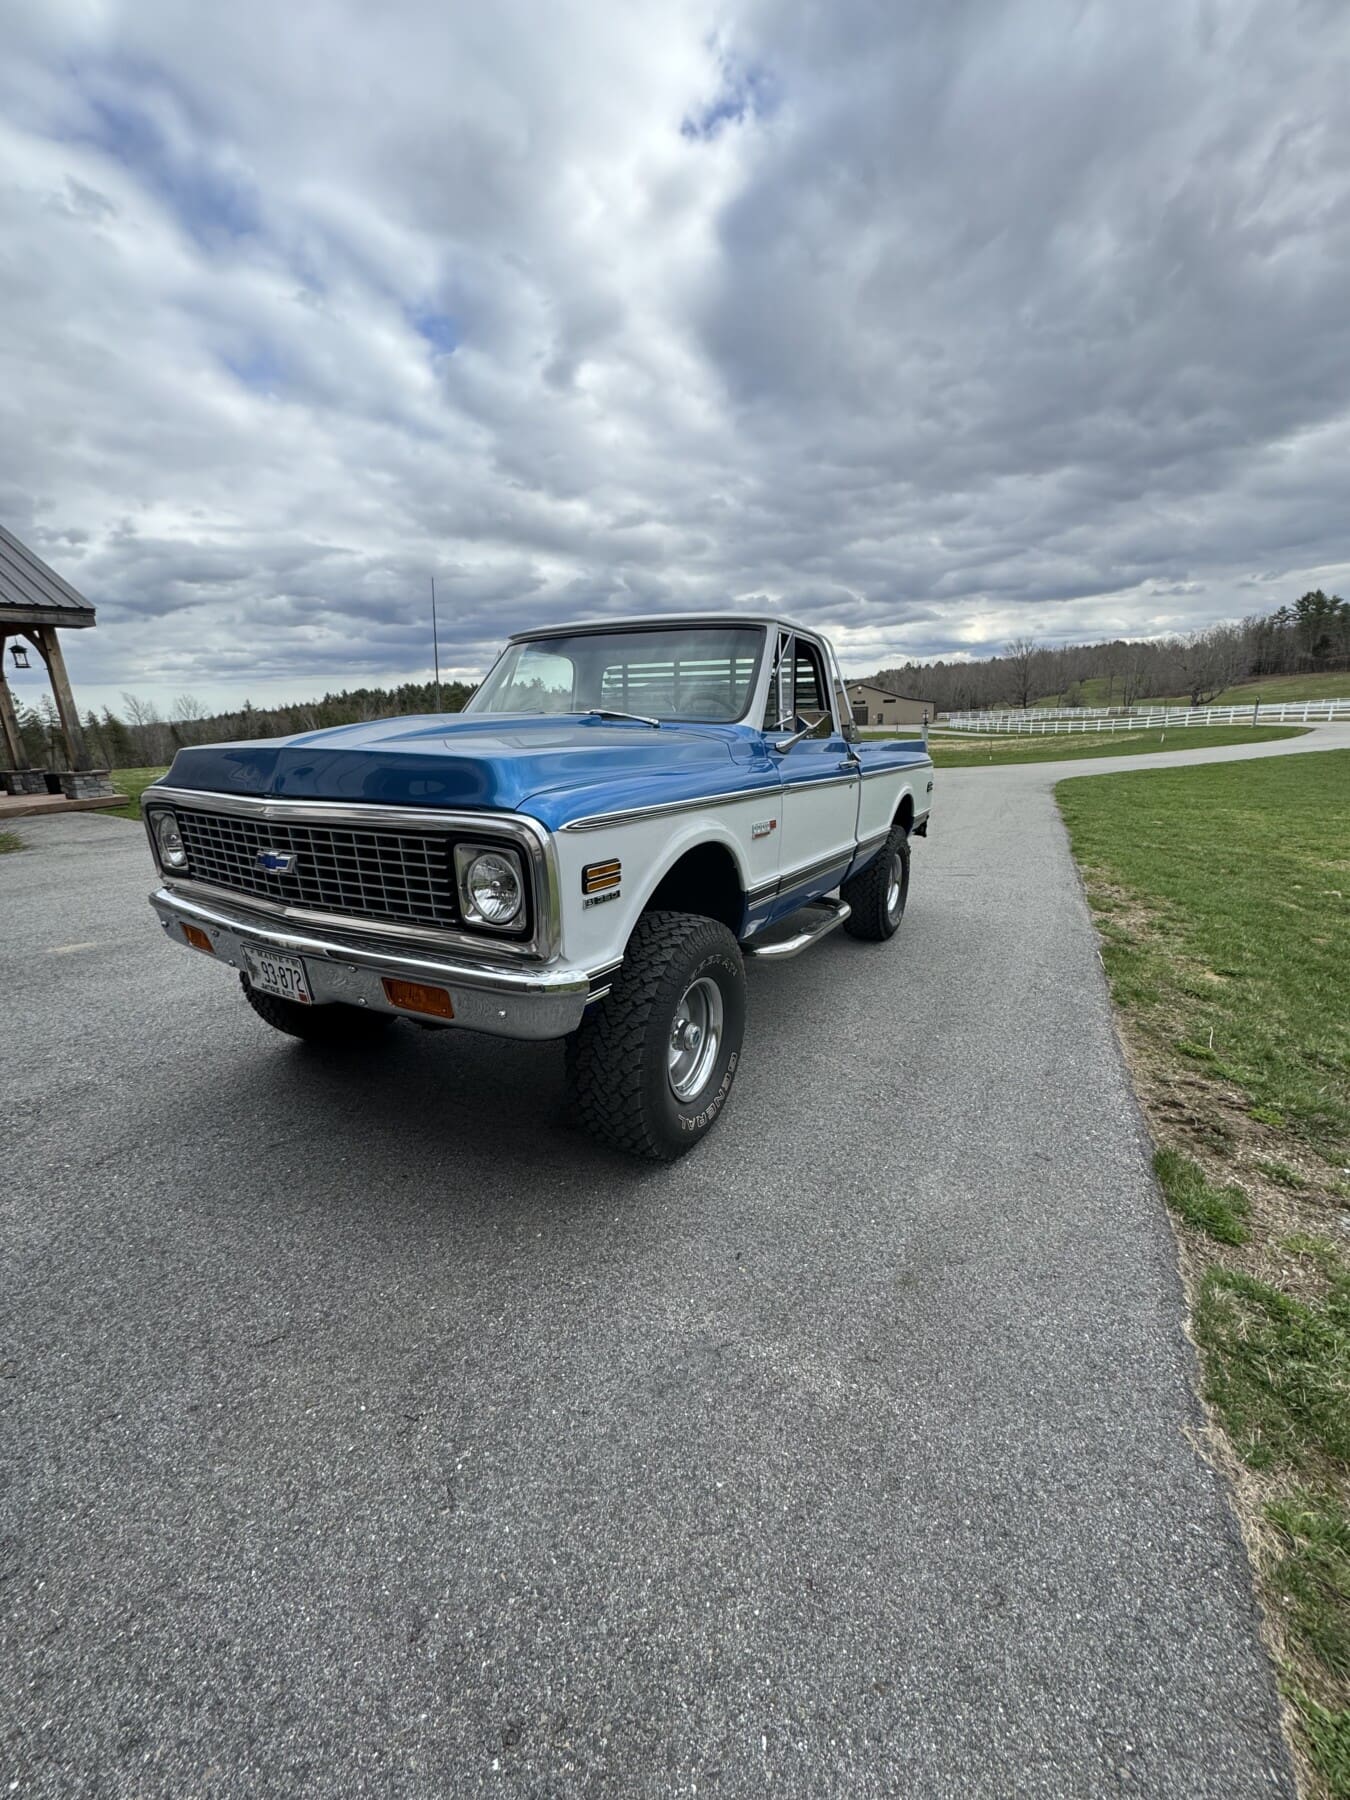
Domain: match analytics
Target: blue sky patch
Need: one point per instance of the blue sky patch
(748, 91)
(438, 328)
(259, 368)
(213, 204)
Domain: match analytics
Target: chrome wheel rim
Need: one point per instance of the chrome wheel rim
(695, 1038)
(894, 893)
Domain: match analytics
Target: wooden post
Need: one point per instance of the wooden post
(44, 636)
(9, 722)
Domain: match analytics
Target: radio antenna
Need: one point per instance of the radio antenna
(436, 643)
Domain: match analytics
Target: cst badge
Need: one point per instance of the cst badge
(763, 827)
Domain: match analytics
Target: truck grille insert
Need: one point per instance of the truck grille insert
(402, 876)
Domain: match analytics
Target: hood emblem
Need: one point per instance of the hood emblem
(277, 862)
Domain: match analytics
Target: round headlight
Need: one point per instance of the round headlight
(171, 851)
(492, 883)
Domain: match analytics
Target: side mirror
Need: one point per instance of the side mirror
(785, 744)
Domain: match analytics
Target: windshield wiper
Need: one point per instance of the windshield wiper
(607, 712)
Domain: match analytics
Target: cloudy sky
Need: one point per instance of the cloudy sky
(933, 321)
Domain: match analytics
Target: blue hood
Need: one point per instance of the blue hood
(553, 769)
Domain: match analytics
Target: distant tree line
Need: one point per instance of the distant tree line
(1310, 637)
(138, 737)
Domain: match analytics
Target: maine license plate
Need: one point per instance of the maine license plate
(276, 974)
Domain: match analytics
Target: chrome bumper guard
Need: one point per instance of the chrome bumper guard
(503, 1000)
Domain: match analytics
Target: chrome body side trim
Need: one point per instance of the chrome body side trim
(766, 790)
(795, 878)
(894, 769)
(815, 786)
(824, 865)
(524, 833)
(601, 821)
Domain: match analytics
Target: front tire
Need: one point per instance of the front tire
(346, 1027)
(878, 893)
(652, 1064)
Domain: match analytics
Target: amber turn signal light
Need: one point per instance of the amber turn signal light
(198, 939)
(598, 876)
(416, 996)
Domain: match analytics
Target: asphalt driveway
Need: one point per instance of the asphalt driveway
(367, 1431)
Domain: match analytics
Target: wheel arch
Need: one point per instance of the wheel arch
(704, 877)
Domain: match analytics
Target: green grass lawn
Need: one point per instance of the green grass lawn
(132, 783)
(1287, 688)
(967, 750)
(1222, 896)
(1268, 688)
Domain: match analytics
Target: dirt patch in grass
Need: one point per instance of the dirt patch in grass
(1220, 898)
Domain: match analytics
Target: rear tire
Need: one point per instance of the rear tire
(878, 893)
(651, 1065)
(344, 1026)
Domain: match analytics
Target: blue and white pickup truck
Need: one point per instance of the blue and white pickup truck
(623, 813)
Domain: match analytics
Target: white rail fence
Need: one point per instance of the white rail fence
(1047, 721)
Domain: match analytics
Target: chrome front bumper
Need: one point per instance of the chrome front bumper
(506, 1001)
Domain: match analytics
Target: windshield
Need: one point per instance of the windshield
(702, 673)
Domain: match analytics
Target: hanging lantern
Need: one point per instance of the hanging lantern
(20, 656)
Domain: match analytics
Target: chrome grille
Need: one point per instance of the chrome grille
(398, 875)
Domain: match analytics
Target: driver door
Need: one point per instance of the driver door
(821, 783)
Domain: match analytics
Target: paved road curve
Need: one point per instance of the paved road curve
(366, 1431)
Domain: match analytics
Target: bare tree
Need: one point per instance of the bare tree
(1020, 657)
(140, 712)
(154, 741)
(186, 715)
(1133, 671)
(1208, 660)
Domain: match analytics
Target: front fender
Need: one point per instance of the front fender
(596, 928)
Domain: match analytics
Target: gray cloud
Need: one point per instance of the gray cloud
(933, 323)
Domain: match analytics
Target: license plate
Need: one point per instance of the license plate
(276, 974)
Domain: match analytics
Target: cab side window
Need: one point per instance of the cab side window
(778, 708)
(799, 691)
(810, 689)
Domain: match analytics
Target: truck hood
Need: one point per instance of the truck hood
(549, 767)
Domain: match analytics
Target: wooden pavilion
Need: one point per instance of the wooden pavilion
(36, 604)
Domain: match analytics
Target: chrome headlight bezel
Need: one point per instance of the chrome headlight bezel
(172, 856)
(467, 855)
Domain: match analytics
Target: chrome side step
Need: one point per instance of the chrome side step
(830, 914)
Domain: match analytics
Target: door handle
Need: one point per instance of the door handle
(848, 766)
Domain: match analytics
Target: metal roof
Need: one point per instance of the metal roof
(875, 687)
(33, 594)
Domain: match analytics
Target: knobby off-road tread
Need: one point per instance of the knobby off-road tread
(316, 1024)
(866, 893)
(605, 1055)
